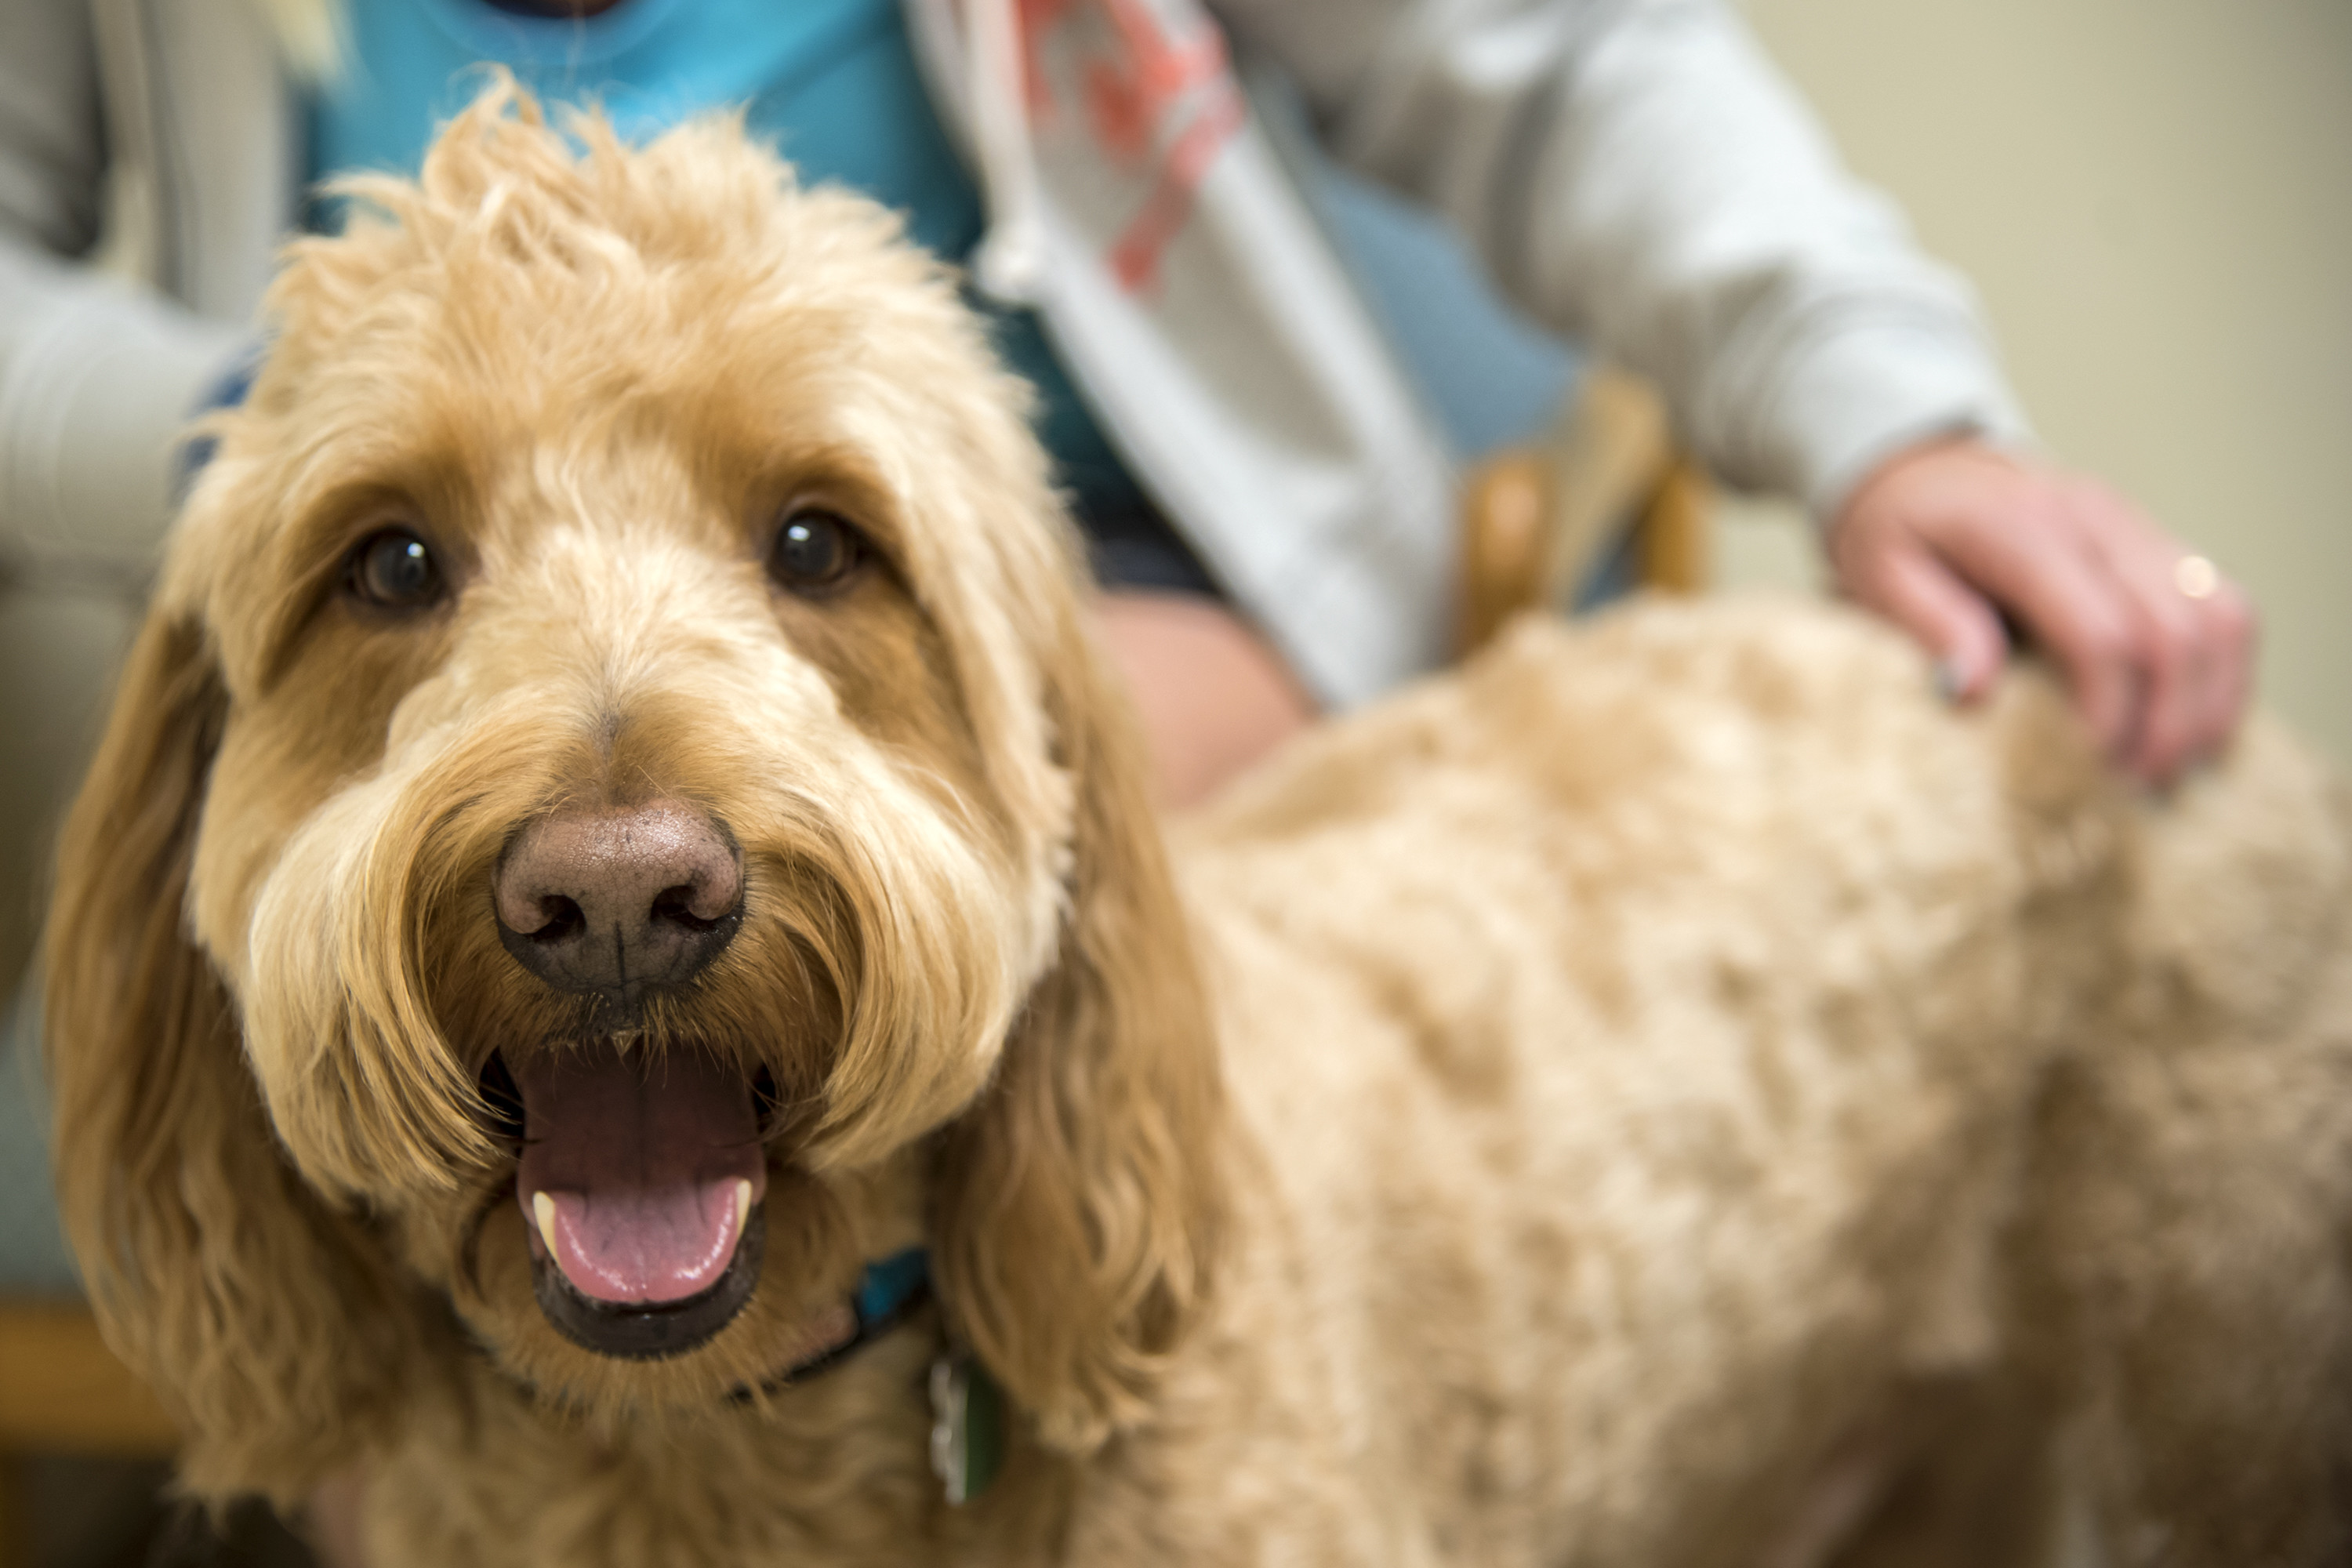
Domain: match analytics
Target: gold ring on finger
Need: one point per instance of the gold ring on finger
(2196, 577)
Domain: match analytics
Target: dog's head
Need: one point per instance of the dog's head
(614, 811)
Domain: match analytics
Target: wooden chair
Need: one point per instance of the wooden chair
(63, 1392)
(1537, 521)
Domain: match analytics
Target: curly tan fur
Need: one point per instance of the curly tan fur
(1672, 1093)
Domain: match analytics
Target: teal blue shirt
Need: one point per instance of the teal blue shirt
(833, 83)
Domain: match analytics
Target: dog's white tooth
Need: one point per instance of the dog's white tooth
(542, 1209)
(742, 1205)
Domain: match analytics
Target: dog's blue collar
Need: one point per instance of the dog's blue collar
(889, 1290)
(967, 1411)
(891, 1286)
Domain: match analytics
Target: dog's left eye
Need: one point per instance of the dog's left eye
(394, 569)
(815, 551)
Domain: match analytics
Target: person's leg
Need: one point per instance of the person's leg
(1213, 696)
(331, 1524)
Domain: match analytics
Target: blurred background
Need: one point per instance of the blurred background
(2154, 198)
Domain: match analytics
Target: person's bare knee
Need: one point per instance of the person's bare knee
(1213, 696)
(333, 1518)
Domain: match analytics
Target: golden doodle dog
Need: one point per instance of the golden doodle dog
(615, 976)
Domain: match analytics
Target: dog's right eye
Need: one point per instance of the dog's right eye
(815, 551)
(394, 569)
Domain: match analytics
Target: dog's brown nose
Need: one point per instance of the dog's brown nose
(613, 903)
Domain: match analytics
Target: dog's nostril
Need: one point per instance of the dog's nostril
(563, 921)
(611, 903)
(677, 904)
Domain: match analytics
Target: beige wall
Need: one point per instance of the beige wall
(2155, 197)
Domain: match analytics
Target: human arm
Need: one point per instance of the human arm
(2157, 647)
(95, 374)
(1637, 173)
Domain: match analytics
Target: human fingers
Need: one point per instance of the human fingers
(2168, 643)
(2033, 560)
(1897, 575)
(2195, 630)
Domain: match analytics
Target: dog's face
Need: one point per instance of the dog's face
(601, 632)
(648, 799)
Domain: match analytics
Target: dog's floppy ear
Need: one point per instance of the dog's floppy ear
(264, 1320)
(1080, 1200)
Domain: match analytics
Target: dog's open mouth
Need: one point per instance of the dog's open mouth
(640, 1183)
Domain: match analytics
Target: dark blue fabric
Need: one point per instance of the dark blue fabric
(887, 1290)
(229, 391)
(891, 1286)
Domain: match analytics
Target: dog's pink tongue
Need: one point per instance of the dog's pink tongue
(635, 1173)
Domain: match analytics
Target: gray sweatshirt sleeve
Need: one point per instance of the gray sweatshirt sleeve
(1637, 173)
(97, 375)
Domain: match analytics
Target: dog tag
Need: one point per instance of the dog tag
(967, 1426)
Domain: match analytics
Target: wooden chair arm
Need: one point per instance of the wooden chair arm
(1536, 521)
(62, 1391)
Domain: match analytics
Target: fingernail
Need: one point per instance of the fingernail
(1951, 678)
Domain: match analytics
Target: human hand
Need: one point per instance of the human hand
(2158, 647)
